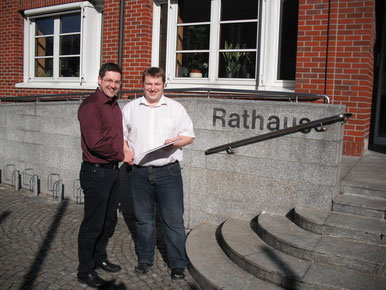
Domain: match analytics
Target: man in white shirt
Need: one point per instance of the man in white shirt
(155, 179)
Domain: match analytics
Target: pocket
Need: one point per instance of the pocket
(175, 169)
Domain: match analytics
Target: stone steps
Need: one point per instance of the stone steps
(283, 235)
(211, 268)
(326, 222)
(251, 253)
(369, 206)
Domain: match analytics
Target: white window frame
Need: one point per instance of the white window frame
(90, 48)
(267, 51)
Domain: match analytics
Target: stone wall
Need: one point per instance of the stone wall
(274, 175)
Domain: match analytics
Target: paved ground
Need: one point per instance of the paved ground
(38, 239)
(38, 247)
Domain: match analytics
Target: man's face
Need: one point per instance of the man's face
(110, 83)
(153, 89)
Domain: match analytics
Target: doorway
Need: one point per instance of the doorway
(378, 124)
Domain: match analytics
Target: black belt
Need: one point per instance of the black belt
(111, 165)
(154, 166)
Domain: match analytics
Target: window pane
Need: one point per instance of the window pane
(193, 37)
(69, 67)
(70, 44)
(242, 34)
(44, 46)
(288, 38)
(43, 67)
(44, 26)
(186, 62)
(193, 11)
(237, 64)
(70, 23)
(240, 9)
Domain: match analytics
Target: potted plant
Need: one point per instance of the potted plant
(233, 59)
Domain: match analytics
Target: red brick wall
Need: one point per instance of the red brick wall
(137, 44)
(11, 46)
(137, 41)
(334, 57)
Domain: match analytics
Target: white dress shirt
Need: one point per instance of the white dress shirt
(146, 127)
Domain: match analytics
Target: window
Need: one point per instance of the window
(225, 43)
(62, 46)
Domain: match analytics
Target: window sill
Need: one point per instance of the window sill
(58, 85)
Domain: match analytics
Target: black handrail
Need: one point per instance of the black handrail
(183, 92)
(229, 148)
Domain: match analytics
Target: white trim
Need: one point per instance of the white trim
(268, 54)
(56, 8)
(156, 35)
(90, 48)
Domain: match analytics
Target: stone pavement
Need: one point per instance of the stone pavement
(38, 247)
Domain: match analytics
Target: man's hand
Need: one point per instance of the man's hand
(128, 154)
(179, 144)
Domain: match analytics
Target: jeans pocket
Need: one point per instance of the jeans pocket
(174, 169)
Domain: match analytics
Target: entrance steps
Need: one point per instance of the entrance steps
(310, 249)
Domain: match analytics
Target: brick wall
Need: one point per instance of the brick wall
(335, 57)
(11, 46)
(136, 46)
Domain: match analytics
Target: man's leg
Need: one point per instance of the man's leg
(170, 198)
(142, 194)
(110, 222)
(96, 184)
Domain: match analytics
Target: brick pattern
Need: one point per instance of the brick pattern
(11, 46)
(335, 57)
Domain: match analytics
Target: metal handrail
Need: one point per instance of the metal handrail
(183, 92)
(229, 148)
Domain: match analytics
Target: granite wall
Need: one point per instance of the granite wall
(274, 175)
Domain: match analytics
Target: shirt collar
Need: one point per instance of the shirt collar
(104, 99)
(162, 101)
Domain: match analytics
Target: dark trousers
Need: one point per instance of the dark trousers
(101, 195)
(161, 187)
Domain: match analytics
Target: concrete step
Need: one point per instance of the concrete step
(326, 222)
(360, 205)
(282, 234)
(211, 268)
(252, 254)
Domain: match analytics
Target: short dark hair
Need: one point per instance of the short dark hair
(154, 72)
(109, 66)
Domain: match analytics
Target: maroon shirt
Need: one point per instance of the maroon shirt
(101, 128)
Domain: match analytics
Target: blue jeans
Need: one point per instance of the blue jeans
(159, 187)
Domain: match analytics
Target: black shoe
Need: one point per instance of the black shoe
(178, 273)
(108, 267)
(142, 268)
(91, 279)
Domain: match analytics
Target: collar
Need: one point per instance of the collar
(105, 99)
(162, 101)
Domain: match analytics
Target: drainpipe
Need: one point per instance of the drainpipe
(120, 40)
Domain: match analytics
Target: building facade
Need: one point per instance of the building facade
(332, 47)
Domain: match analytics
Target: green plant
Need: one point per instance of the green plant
(234, 61)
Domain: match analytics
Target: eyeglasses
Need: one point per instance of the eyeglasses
(110, 82)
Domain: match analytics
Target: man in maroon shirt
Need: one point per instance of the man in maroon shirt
(102, 144)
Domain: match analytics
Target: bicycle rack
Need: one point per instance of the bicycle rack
(34, 184)
(77, 191)
(16, 179)
(26, 176)
(5, 169)
(56, 187)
